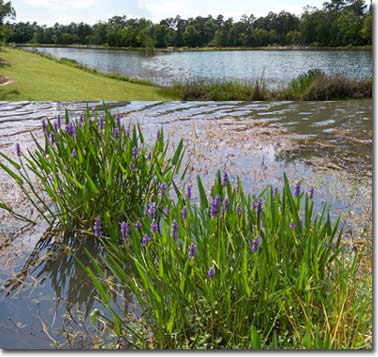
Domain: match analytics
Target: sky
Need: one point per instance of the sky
(48, 12)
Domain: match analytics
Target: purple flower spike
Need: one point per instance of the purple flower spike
(297, 190)
(226, 203)
(239, 210)
(149, 157)
(134, 153)
(115, 133)
(132, 166)
(214, 209)
(167, 211)
(70, 129)
(128, 132)
(192, 250)
(255, 245)
(81, 119)
(254, 206)
(56, 126)
(275, 192)
(52, 138)
(59, 122)
(18, 150)
(138, 226)
(154, 227)
(118, 119)
(225, 178)
(184, 212)
(125, 230)
(44, 126)
(145, 240)
(74, 154)
(101, 123)
(292, 225)
(158, 135)
(163, 187)
(151, 210)
(211, 273)
(311, 191)
(188, 192)
(97, 227)
(174, 229)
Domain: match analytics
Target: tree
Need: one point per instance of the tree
(6, 10)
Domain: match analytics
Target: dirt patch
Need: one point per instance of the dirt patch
(5, 80)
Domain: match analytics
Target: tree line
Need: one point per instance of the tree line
(337, 23)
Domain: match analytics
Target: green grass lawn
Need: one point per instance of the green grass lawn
(37, 78)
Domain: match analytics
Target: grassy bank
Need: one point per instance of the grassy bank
(33, 77)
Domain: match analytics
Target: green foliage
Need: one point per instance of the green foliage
(339, 23)
(94, 167)
(250, 272)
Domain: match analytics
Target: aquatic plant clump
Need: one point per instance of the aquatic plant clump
(265, 278)
(92, 170)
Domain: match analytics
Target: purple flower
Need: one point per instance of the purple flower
(154, 227)
(149, 157)
(226, 203)
(74, 154)
(255, 245)
(115, 133)
(59, 122)
(254, 205)
(70, 129)
(163, 187)
(158, 135)
(52, 138)
(211, 273)
(101, 123)
(257, 206)
(132, 166)
(145, 240)
(192, 250)
(18, 150)
(56, 126)
(97, 227)
(188, 192)
(275, 192)
(214, 208)
(128, 132)
(134, 152)
(138, 226)
(311, 191)
(292, 225)
(151, 210)
(174, 229)
(118, 119)
(167, 211)
(239, 210)
(297, 190)
(184, 211)
(44, 126)
(224, 178)
(125, 230)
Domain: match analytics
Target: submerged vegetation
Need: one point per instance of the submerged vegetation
(218, 269)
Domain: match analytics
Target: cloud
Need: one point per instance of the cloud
(59, 5)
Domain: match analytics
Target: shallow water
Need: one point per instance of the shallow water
(277, 68)
(326, 145)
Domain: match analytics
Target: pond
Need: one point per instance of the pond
(46, 298)
(277, 68)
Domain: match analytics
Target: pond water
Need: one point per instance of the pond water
(46, 298)
(277, 68)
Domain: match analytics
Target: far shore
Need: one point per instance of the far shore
(199, 49)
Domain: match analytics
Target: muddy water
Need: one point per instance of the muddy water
(327, 145)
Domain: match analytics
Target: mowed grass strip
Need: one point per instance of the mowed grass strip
(36, 78)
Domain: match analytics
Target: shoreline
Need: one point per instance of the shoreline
(197, 49)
